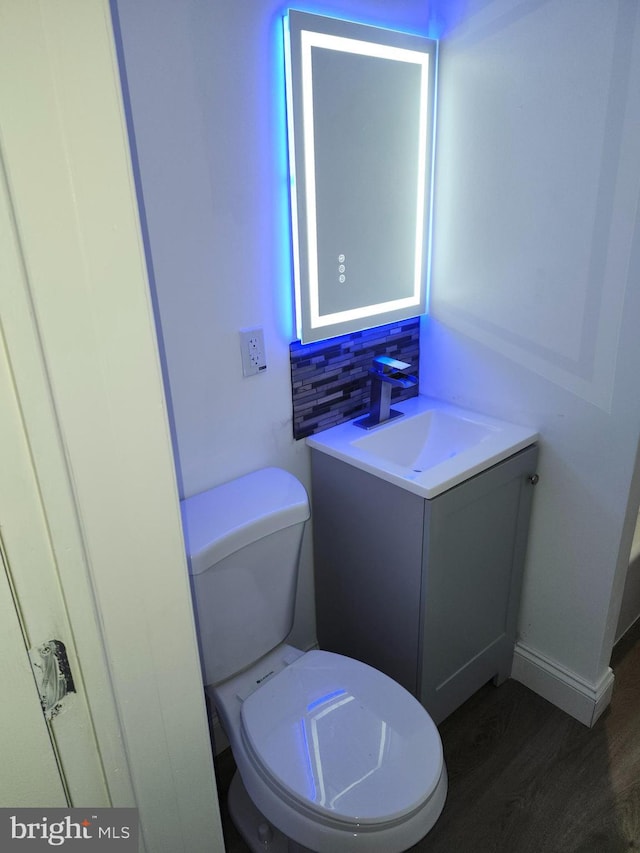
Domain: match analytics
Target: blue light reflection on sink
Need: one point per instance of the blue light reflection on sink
(432, 448)
(425, 440)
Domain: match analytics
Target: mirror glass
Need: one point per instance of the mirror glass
(360, 105)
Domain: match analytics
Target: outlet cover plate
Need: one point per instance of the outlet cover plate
(252, 350)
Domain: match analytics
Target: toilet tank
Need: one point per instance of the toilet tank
(243, 544)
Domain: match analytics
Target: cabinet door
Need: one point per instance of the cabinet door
(368, 557)
(475, 540)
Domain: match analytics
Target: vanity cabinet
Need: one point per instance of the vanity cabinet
(426, 591)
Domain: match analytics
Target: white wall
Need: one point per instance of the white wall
(206, 81)
(536, 295)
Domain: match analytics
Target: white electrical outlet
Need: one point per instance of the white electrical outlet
(254, 359)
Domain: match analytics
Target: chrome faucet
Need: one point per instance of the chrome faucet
(386, 373)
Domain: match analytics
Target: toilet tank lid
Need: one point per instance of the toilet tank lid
(226, 518)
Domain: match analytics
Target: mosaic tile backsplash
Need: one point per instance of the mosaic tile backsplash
(330, 379)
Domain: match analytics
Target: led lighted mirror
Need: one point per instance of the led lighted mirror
(361, 126)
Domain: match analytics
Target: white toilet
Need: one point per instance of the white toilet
(332, 755)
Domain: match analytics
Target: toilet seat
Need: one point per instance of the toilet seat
(342, 744)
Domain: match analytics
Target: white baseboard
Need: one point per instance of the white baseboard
(566, 690)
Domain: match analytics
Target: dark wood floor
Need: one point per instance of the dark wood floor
(526, 778)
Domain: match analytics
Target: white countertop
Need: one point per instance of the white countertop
(433, 447)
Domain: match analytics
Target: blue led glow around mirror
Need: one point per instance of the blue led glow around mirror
(325, 308)
(381, 51)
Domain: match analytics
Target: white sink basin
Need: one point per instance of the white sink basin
(424, 440)
(432, 448)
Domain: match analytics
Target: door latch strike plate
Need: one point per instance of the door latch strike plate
(51, 669)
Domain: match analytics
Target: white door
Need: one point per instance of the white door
(91, 520)
(35, 477)
(30, 775)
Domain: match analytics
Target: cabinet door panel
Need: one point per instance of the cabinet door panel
(367, 555)
(469, 599)
(475, 537)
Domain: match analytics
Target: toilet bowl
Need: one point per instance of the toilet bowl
(332, 755)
